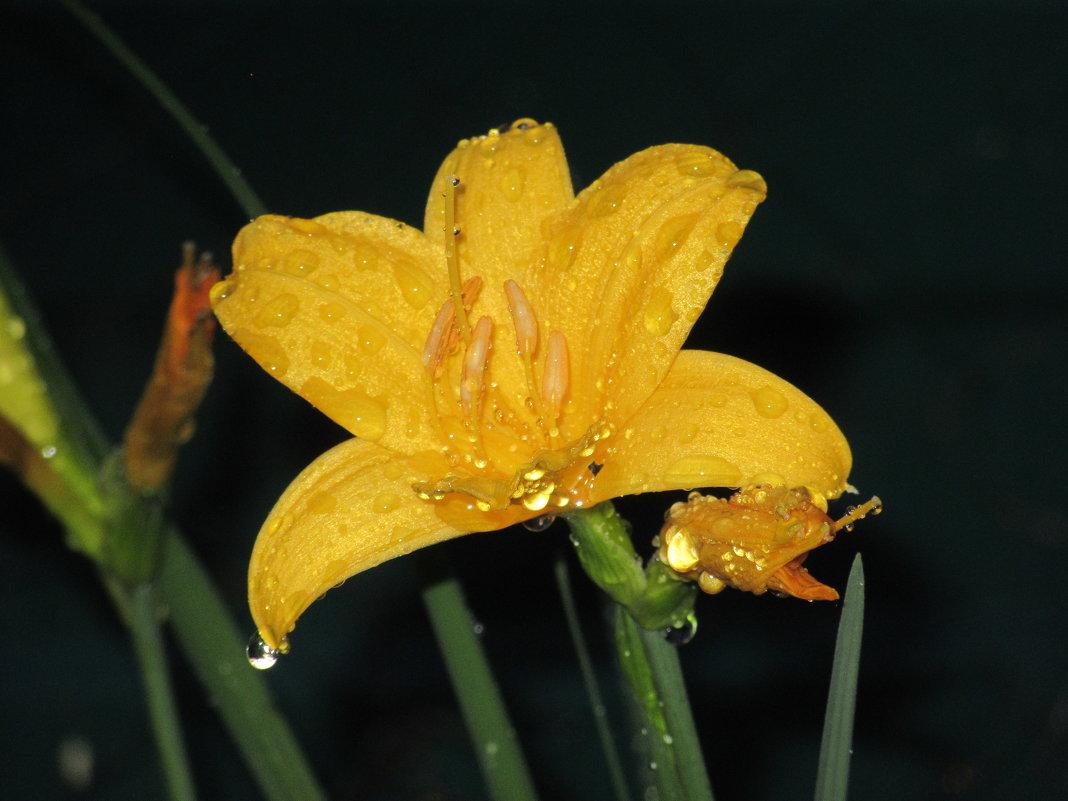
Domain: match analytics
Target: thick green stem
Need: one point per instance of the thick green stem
(496, 746)
(143, 620)
(648, 604)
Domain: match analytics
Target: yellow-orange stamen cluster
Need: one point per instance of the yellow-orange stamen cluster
(464, 393)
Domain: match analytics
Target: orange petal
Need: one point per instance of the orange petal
(629, 267)
(795, 580)
(718, 421)
(338, 308)
(351, 509)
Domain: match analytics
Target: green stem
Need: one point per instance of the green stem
(836, 747)
(143, 621)
(589, 679)
(647, 604)
(225, 168)
(215, 648)
(496, 746)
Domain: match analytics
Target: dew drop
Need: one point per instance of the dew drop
(565, 244)
(415, 285)
(266, 350)
(698, 162)
(370, 339)
(539, 523)
(309, 227)
(332, 312)
(659, 316)
(354, 409)
(680, 634)
(220, 291)
(260, 655)
(322, 503)
(278, 311)
(321, 355)
(701, 470)
(769, 402)
(300, 262)
(386, 502)
(673, 235)
(728, 233)
(747, 179)
(512, 183)
(607, 200)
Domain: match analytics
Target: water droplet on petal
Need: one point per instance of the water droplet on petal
(278, 311)
(659, 316)
(728, 233)
(701, 470)
(747, 179)
(260, 655)
(769, 402)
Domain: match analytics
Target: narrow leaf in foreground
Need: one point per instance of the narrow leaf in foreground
(832, 778)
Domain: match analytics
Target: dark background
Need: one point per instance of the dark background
(907, 271)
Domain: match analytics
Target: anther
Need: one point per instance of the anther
(557, 374)
(473, 375)
(434, 350)
(526, 324)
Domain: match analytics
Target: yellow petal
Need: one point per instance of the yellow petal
(338, 308)
(630, 266)
(510, 183)
(351, 509)
(718, 421)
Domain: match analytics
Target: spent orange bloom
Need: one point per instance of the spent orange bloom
(518, 357)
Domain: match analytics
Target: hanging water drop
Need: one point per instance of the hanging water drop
(683, 631)
(539, 523)
(260, 655)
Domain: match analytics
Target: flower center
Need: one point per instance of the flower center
(504, 442)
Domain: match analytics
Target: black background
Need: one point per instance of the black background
(907, 271)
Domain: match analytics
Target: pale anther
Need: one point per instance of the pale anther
(434, 350)
(557, 375)
(476, 360)
(526, 324)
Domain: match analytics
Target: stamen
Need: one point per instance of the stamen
(526, 324)
(872, 507)
(452, 260)
(526, 339)
(556, 377)
(443, 336)
(469, 293)
(473, 376)
(434, 350)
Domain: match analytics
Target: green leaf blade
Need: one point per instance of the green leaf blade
(836, 748)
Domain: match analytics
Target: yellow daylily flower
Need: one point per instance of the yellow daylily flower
(518, 357)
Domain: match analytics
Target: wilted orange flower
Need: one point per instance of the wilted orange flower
(518, 357)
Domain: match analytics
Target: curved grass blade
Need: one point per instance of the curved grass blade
(832, 778)
(225, 168)
(616, 773)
